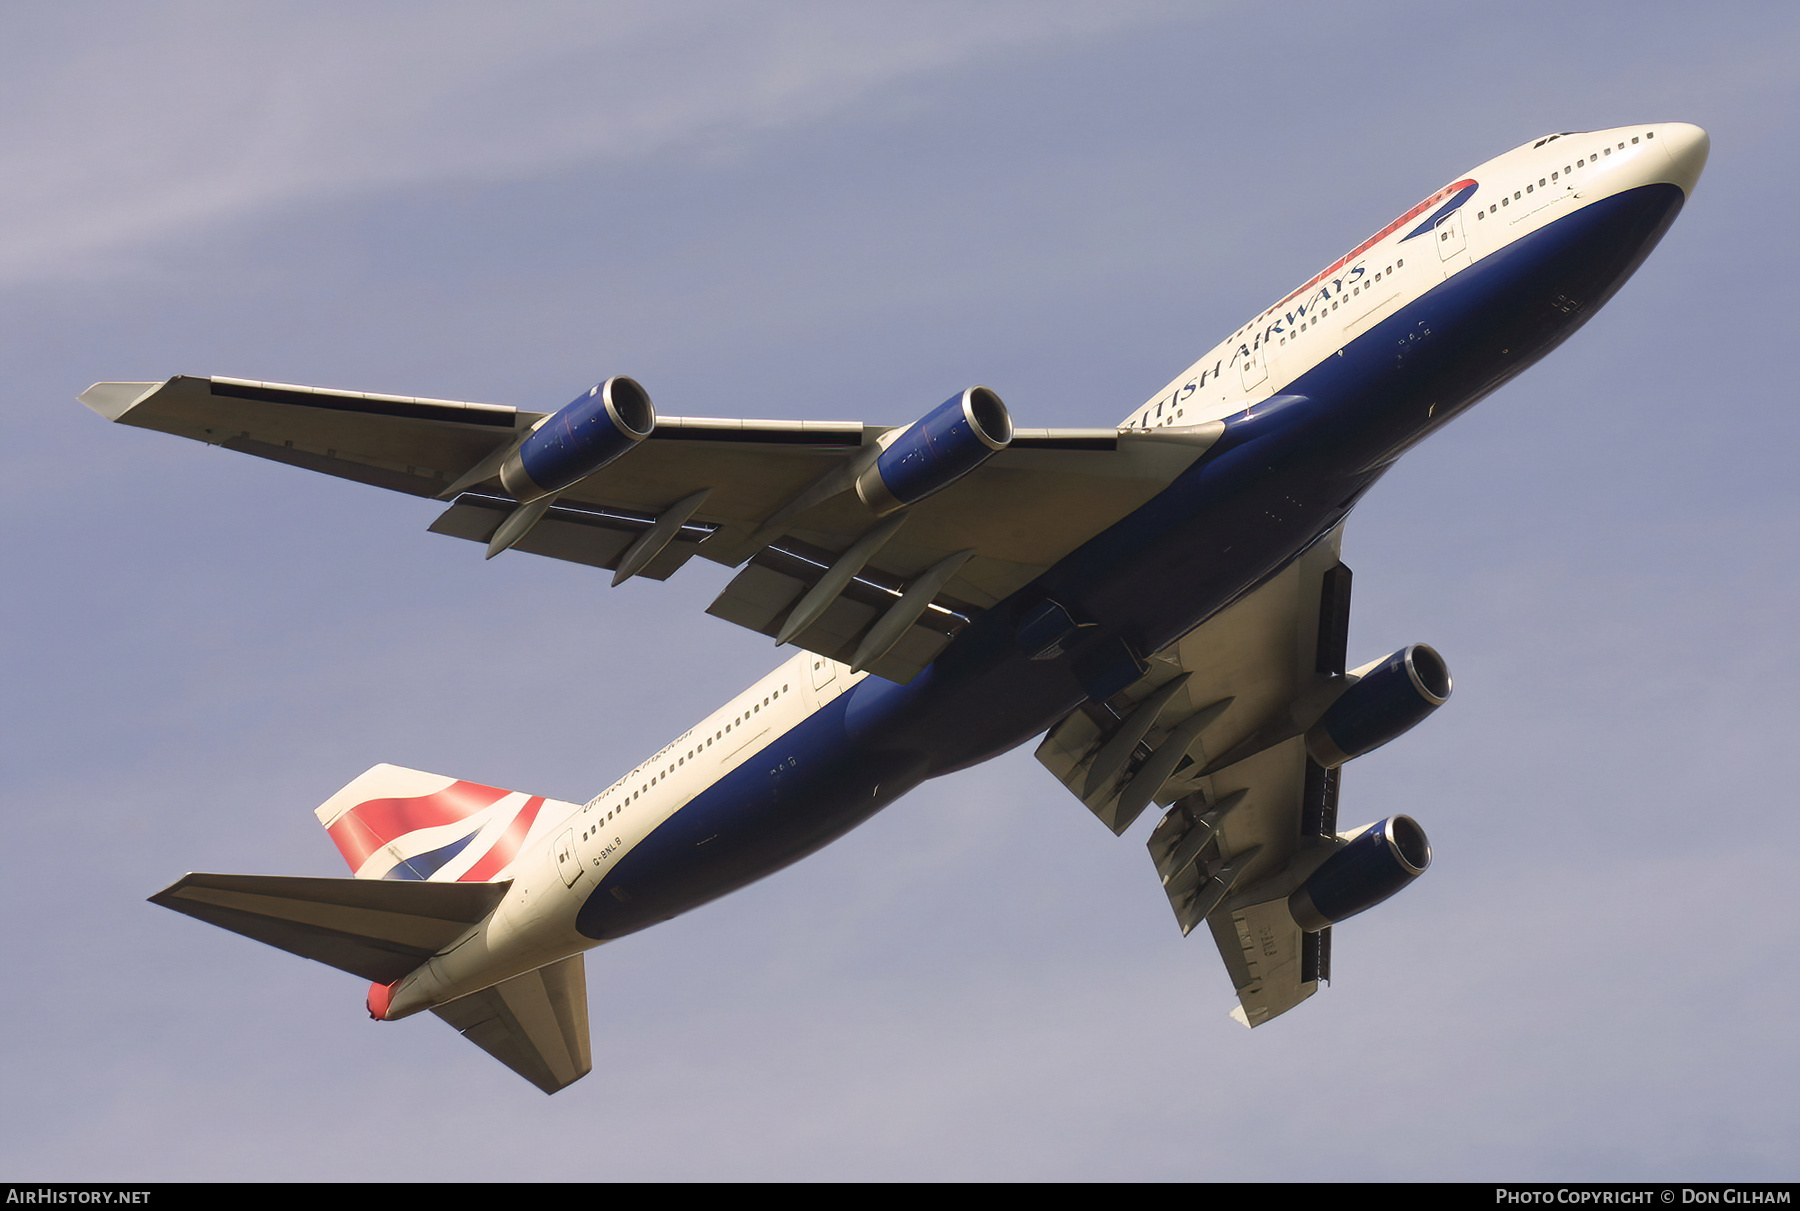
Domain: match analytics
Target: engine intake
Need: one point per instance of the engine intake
(934, 452)
(580, 438)
(1377, 862)
(1388, 699)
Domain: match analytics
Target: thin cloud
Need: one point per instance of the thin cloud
(181, 118)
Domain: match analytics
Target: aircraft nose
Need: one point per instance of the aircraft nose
(1686, 146)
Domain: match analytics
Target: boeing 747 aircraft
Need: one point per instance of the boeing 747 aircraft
(1161, 601)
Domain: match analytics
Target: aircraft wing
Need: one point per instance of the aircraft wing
(819, 567)
(1215, 732)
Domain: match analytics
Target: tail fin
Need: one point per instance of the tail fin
(398, 823)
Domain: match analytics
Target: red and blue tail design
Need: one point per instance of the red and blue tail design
(398, 823)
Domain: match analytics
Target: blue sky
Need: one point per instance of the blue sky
(835, 211)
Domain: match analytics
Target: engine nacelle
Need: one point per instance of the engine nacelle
(1377, 862)
(1391, 696)
(577, 440)
(949, 442)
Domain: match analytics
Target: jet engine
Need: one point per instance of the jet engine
(578, 439)
(1378, 861)
(1386, 701)
(946, 444)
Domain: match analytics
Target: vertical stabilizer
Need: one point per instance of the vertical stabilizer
(398, 823)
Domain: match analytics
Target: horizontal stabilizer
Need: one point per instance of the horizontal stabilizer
(536, 1024)
(378, 929)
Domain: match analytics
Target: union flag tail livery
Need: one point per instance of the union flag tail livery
(1161, 600)
(399, 823)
